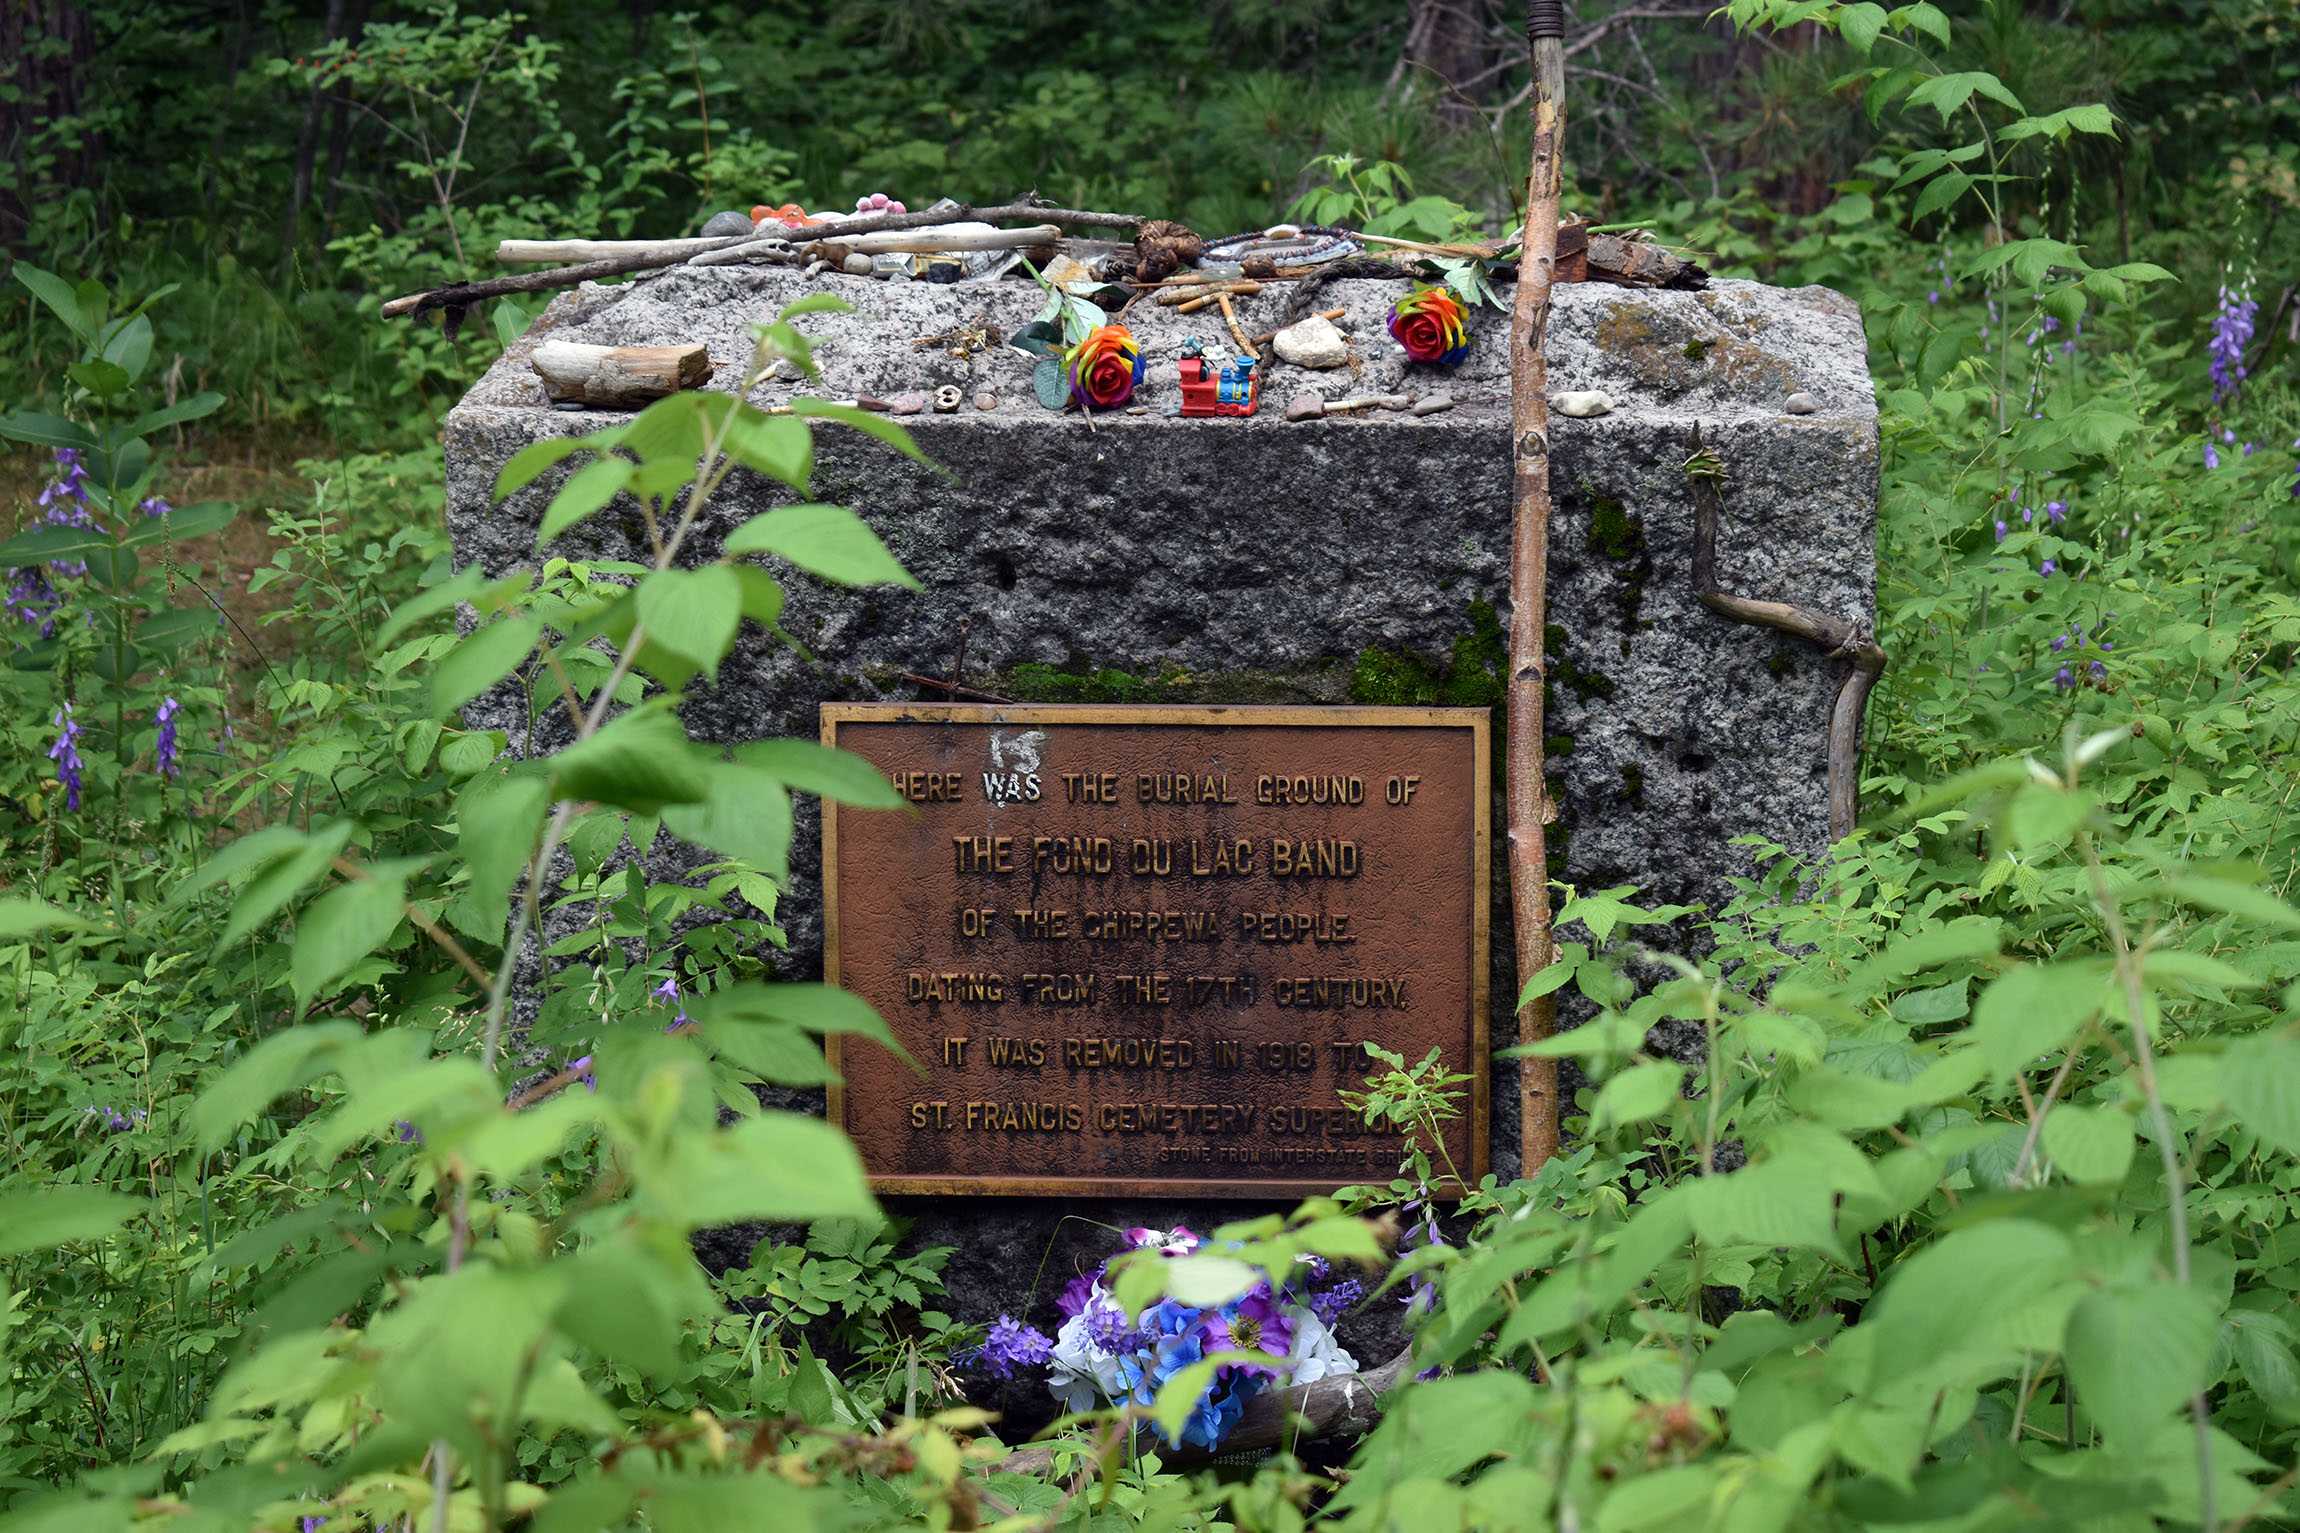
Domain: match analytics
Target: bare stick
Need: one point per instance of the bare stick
(462, 295)
(1527, 790)
(1843, 640)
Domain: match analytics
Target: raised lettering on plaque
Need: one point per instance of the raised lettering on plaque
(1138, 950)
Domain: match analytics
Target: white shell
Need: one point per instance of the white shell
(1581, 406)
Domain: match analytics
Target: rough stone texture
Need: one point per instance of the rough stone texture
(1258, 560)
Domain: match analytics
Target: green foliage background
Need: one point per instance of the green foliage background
(1972, 1212)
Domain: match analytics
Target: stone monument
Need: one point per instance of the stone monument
(1360, 557)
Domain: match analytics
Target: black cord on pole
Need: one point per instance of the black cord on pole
(1544, 18)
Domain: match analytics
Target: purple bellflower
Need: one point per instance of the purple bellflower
(170, 764)
(2231, 332)
(66, 754)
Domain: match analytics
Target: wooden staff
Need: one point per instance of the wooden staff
(1527, 791)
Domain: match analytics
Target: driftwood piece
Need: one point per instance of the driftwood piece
(458, 296)
(1640, 263)
(1346, 1405)
(1843, 640)
(767, 247)
(565, 252)
(618, 377)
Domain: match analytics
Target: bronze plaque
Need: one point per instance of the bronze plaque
(1136, 950)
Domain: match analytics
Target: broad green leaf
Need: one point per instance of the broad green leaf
(1930, 1300)
(693, 613)
(342, 927)
(816, 1007)
(280, 1063)
(778, 1165)
(1208, 1279)
(100, 378)
(814, 303)
(779, 446)
(46, 430)
(823, 771)
(248, 853)
(2031, 1011)
(746, 813)
(1859, 25)
(482, 660)
(2137, 1352)
(1771, 1204)
(862, 420)
(641, 761)
(585, 491)
(1941, 192)
(499, 821)
(197, 520)
(1664, 1498)
(58, 295)
(2237, 899)
(533, 459)
(33, 1219)
(1914, 952)
(1844, 1100)
(21, 918)
(829, 541)
(2089, 1144)
(2260, 1079)
(2177, 968)
(1635, 1095)
(195, 408)
(282, 879)
(466, 584)
(773, 1052)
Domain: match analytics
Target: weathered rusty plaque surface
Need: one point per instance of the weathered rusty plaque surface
(1137, 949)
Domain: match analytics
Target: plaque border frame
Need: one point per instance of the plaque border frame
(1478, 721)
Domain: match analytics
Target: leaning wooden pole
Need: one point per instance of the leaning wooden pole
(1527, 789)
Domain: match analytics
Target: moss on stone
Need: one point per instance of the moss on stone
(1584, 685)
(1696, 349)
(1613, 532)
(1633, 785)
(1470, 678)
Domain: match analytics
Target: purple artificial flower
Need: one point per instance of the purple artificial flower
(1174, 1241)
(2064, 678)
(1329, 1304)
(170, 766)
(2049, 567)
(1011, 1345)
(1076, 1294)
(66, 754)
(2231, 333)
(2211, 456)
(1256, 1323)
(1108, 1328)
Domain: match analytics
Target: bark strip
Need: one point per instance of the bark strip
(1843, 640)
(1527, 790)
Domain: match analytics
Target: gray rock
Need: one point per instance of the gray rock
(1314, 342)
(913, 403)
(857, 264)
(1801, 404)
(727, 223)
(986, 401)
(1306, 407)
(1156, 546)
(1431, 404)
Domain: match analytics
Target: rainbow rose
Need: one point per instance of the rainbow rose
(1105, 367)
(1431, 325)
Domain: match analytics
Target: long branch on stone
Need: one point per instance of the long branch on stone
(463, 294)
(1526, 791)
(1345, 1405)
(1843, 640)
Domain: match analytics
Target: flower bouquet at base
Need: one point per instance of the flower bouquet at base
(1432, 326)
(1101, 1358)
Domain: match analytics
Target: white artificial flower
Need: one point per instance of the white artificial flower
(1316, 1354)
